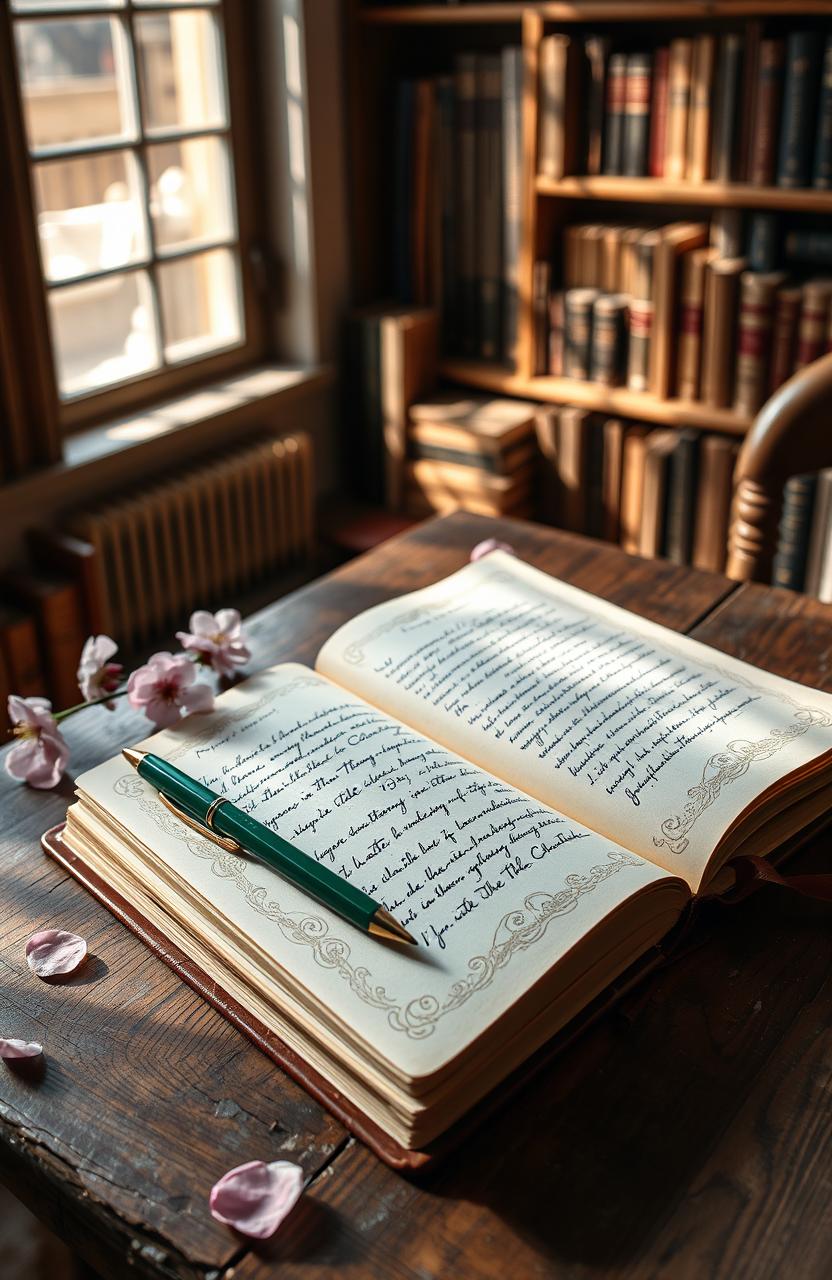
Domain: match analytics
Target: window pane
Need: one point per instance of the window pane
(75, 79)
(55, 6)
(103, 331)
(190, 191)
(179, 63)
(200, 303)
(90, 214)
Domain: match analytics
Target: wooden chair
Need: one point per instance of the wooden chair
(791, 435)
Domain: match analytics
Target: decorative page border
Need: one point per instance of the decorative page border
(518, 930)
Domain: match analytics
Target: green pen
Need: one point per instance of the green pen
(223, 823)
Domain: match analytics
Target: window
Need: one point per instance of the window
(144, 221)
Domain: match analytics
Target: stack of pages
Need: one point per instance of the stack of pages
(534, 782)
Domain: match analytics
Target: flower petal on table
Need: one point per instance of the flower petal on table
(254, 1198)
(20, 1048)
(54, 951)
(488, 545)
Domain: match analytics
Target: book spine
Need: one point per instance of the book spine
(636, 127)
(613, 450)
(784, 336)
(748, 97)
(799, 95)
(446, 134)
(814, 316)
(717, 458)
(573, 453)
(658, 112)
(814, 247)
(596, 49)
(403, 192)
(819, 532)
(632, 487)
(766, 124)
(699, 124)
(465, 81)
(577, 356)
(541, 281)
(691, 311)
(723, 165)
(789, 566)
(679, 81)
(719, 333)
(512, 196)
(681, 489)
(755, 325)
(613, 152)
(726, 233)
(608, 337)
(556, 333)
(762, 242)
(489, 199)
(640, 315)
(552, 141)
(822, 167)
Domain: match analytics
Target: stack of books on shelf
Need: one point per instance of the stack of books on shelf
(655, 492)
(687, 310)
(731, 108)
(457, 196)
(472, 453)
(804, 552)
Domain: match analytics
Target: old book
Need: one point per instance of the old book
(822, 164)
(717, 459)
(719, 335)
(820, 538)
(657, 147)
(422, 501)
(507, 463)
(752, 37)
(800, 93)
(512, 87)
(572, 258)
(590, 240)
(755, 327)
(813, 322)
(636, 130)
(681, 497)
(21, 651)
(489, 204)
(460, 420)
(691, 313)
(660, 445)
(513, 945)
(55, 604)
(558, 136)
(612, 468)
(789, 566)
(726, 233)
(813, 247)
(556, 332)
(763, 242)
(627, 271)
(449, 211)
(609, 333)
(726, 115)
(679, 82)
(641, 311)
(764, 137)
(699, 115)
(541, 289)
(632, 486)
(52, 549)
(596, 52)
(613, 152)
(432, 474)
(784, 335)
(675, 239)
(549, 499)
(577, 353)
(574, 458)
(467, 215)
(610, 257)
(408, 360)
(595, 513)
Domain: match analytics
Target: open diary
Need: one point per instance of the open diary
(534, 782)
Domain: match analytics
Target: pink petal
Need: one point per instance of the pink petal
(254, 1198)
(485, 548)
(20, 1049)
(162, 713)
(54, 951)
(199, 697)
(202, 623)
(228, 622)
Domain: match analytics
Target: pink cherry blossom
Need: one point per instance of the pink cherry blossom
(166, 687)
(51, 952)
(254, 1198)
(20, 1049)
(485, 548)
(219, 639)
(97, 676)
(40, 754)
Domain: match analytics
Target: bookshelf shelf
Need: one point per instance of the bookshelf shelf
(729, 195)
(586, 11)
(590, 395)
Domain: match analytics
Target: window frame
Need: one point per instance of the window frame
(237, 25)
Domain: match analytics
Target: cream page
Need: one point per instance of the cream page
(495, 887)
(657, 741)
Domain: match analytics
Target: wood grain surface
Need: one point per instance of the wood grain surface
(686, 1135)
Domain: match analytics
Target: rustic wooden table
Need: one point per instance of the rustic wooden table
(687, 1135)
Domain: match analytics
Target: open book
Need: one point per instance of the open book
(536, 784)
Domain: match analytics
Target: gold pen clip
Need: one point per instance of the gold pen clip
(225, 842)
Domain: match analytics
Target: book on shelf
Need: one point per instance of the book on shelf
(559, 85)
(813, 322)
(613, 145)
(789, 567)
(822, 162)
(755, 327)
(818, 579)
(659, 447)
(767, 107)
(515, 939)
(596, 52)
(681, 496)
(680, 69)
(21, 650)
(657, 147)
(719, 332)
(763, 242)
(636, 126)
(800, 92)
(726, 114)
(489, 204)
(715, 486)
(632, 487)
(512, 161)
(700, 123)
(676, 239)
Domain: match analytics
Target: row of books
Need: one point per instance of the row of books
(803, 560)
(663, 310)
(457, 194)
(42, 631)
(739, 107)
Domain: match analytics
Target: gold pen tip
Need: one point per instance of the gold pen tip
(133, 757)
(383, 925)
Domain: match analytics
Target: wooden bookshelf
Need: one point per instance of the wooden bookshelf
(587, 11)
(716, 195)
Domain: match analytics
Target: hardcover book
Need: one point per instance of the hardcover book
(537, 783)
